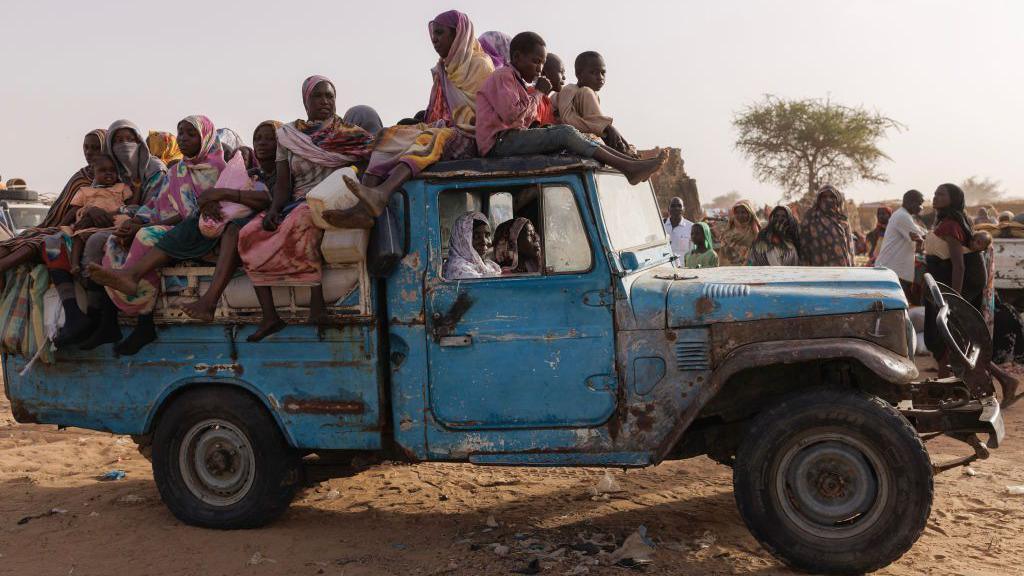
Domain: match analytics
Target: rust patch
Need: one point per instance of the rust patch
(643, 415)
(704, 305)
(214, 369)
(294, 405)
(22, 414)
(445, 325)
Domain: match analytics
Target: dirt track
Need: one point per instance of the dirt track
(433, 518)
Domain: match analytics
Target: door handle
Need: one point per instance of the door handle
(456, 341)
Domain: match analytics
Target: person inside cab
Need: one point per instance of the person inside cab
(517, 247)
(468, 247)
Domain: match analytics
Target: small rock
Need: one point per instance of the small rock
(93, 514)
(1016, 490)
(258, 559)
(968, 471)
(491, 522)
(637, 550)
(500, 550)
(607, 485)
(331, 495)
(131, 499)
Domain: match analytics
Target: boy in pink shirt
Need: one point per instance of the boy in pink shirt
(505, 110)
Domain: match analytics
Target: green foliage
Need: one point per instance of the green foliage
(801, 145)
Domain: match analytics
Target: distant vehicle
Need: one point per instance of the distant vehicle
(1009, 280)
(20, 207)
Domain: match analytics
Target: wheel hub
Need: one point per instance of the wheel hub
(217, 463)
(829, 485)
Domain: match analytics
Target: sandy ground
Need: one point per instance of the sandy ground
(434, 518)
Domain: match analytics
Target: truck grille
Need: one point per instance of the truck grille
(717, 291)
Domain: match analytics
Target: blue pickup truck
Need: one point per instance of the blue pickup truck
(800, 379)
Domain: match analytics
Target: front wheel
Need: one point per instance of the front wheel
(220, 461)
(834, 482)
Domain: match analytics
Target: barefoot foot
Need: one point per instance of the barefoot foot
(372, 198)
(358, 217)
(265, 330)
(644, 170)
(119, 280)
(200, 310)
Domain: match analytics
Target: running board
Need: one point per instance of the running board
(616, 459)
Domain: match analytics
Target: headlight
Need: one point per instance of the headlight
(911, 335)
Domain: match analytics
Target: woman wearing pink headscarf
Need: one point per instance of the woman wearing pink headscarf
(447, 133)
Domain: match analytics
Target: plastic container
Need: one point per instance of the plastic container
(332, 194)
(344, 246)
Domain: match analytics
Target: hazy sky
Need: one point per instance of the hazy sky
(677, 72)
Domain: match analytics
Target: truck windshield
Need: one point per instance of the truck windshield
(630, 212)
(27, 217)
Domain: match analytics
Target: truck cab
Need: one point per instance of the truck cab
(800, 379)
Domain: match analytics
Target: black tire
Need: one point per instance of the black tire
(249, 473)
(870, 474)
(19, 195)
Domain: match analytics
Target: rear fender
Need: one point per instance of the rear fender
(885, 364)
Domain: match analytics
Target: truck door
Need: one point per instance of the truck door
(522, 350)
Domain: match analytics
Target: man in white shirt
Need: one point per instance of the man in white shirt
(678, 229)
(902, 237)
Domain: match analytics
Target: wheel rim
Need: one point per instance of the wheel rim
(831, 485)
(217, 462)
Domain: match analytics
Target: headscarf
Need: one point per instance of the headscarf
(735, 241)
(777, 244)
(332, 143)
(164, 146)
(463, 260)
(180, 189)
(875, 236)
(365, 117)
(265, 174)
(825, 234)
(709, 241)
(506, 245)
(230, 142)
(956, 209)
(146, 165)
(79, 179)
(497, 46)
(458, 76)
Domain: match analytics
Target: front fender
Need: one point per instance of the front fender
(887, 365)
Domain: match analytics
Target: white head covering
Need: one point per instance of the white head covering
(463, 260)
(147, 163)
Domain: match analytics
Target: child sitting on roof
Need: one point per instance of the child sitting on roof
(579, 106)
(505, 110)
(554, 71)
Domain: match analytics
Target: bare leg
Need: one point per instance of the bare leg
(1009, 384)
(126, 281)
(227, 262)
(271, 321)
(17, 257)
(317, 307)
(636, 171)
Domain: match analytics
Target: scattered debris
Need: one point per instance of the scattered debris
(398, 546)
(706, 540)
(258, 559)
(113, 475)
(491, 522)
(51, 512)
(532, 568)
(578, 571)
(607, 485)
(968, 471)
(636, 551)
(1016, 490)
(500, 550)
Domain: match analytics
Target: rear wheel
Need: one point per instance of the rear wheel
(834, 482)
(220, 461)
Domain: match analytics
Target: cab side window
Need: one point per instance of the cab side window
(533, 230)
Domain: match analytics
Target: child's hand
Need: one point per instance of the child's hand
(543, 85)
(75, 270)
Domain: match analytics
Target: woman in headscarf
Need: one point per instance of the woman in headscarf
(131, 277)
(27, 246)
(365, 117)
(136, 165)
(467, 249)
(164, 146)
(735, 241)
(874, 238)
(778, 244)
(282, 247)
(447, 133)
(825, 232)
(702, 253)
(517, 247)
(497, 45)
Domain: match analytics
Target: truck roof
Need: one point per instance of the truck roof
(541, 164)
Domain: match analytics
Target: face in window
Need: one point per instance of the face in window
(529, 243)
(481, 238)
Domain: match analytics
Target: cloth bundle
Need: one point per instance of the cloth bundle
(234, 177)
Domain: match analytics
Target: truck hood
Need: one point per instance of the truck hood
(666, 297)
